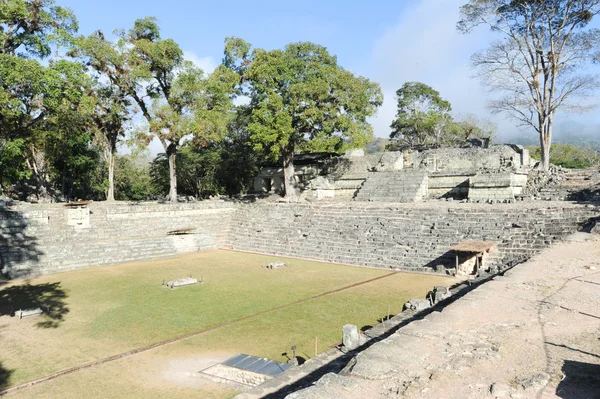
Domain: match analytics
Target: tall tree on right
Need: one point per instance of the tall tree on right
(536, 64)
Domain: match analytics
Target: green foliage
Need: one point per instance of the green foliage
(30, 27)
(569, 156)
(132, 179)
(12, 162)
(196, 174)
(301, 98)
(422, 117)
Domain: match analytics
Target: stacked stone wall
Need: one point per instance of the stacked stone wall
(412, 237)
(45, 238)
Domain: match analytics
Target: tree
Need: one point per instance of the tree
(536, 63)
(302, 98)
(109, 118)
(176, 99)
(471, 127)
(31, 94)
(422, 115)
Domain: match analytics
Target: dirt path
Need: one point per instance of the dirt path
(183, 337)
(534, 333)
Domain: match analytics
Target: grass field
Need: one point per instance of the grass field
(101, 312)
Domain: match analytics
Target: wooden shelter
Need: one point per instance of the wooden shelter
(471, 256)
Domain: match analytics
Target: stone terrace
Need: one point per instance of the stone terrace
(42, 238)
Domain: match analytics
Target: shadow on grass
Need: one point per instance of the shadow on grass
(50, 297)
(4, 377)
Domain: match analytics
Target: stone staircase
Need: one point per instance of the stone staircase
(407, 185)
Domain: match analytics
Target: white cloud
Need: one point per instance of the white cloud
(425, 46)
(207, 64)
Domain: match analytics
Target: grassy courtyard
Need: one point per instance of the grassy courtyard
(101, 312)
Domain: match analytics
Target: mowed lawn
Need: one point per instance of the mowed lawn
(110, 310)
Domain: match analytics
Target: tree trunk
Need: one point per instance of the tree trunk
(172, 154)
(110, 195)
(545, 150)
(288, 174)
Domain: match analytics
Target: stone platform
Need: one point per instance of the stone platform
(530, 334)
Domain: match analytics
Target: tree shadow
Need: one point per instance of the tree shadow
(4, 377)
(18, 250)
(585, 196)
(50, 297)
(581, 380)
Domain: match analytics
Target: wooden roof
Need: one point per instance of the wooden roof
(474, 246)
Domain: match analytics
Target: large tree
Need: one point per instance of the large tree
(302, 98)
(178, 100)
(422, 115)
(36, 97)
(534, 67)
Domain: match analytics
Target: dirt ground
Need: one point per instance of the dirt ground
(534, 333)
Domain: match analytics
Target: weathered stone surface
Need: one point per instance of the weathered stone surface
(182, 282)
(440, 293)
(412, 237)
(350, 337)
(533, 382)
(326, 388)
(499, 390)
(417, 305)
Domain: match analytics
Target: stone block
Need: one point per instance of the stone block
(29, 312)
(417, 305)
(182, 282)
(350, 336)
(276, 265)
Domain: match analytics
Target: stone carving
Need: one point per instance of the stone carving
(78, 217)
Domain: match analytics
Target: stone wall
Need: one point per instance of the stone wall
(42, 239)
(407, 236)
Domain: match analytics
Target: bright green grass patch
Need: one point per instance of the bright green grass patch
(119, 308)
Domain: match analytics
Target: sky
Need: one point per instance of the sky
(388, 41)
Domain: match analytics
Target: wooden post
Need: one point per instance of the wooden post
(457, 263)
(388, 312)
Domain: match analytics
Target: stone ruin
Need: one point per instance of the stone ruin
(495, 174)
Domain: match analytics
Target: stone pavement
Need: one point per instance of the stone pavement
(533, 333)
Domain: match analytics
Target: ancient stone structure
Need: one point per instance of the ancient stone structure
(40, 239)
(498, 173)
(44, 239)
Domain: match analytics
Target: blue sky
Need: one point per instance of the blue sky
(390, 42)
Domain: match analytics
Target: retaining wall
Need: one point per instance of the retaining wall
(38, 239)
(48, 238)
(407, 236)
